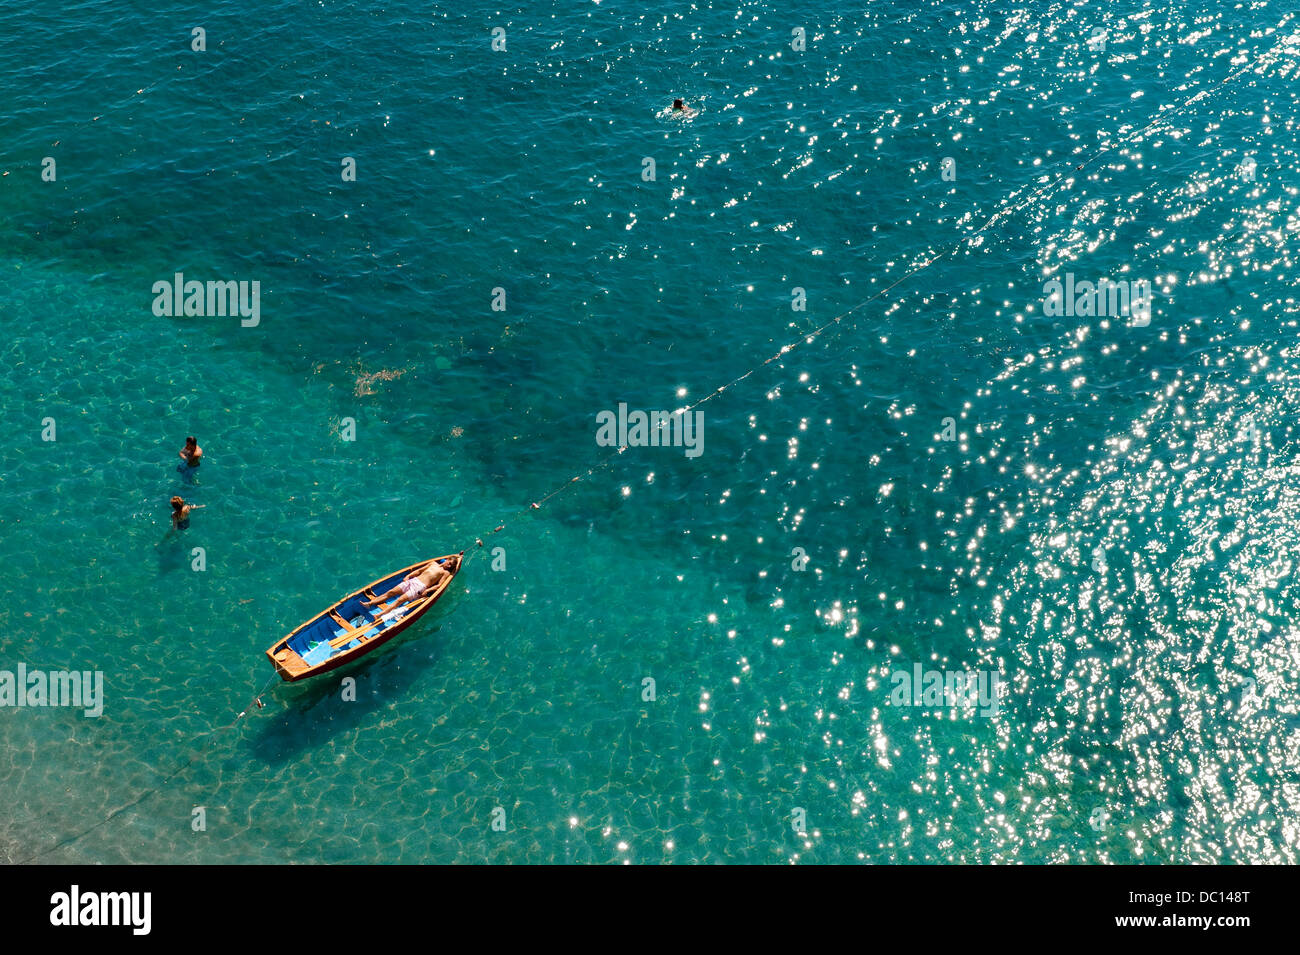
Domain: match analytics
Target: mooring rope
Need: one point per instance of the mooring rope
(1036, 196)
(68, 840)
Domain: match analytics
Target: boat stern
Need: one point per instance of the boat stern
(288, 664)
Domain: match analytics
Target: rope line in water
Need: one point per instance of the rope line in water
(68, 840)
(1035, 196)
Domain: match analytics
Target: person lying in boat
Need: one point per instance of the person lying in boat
(412, 587)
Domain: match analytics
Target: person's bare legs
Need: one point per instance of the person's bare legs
(404, 599)
(378, 600)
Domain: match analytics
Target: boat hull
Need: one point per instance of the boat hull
(346, 631)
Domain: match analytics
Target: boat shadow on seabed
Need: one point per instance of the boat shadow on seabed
(315, 710)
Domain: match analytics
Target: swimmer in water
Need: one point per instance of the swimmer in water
(181, 513)
(679, 107)
(192, 454)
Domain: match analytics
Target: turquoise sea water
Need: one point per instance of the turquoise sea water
(1171, 447)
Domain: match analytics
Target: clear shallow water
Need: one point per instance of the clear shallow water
(522, 169)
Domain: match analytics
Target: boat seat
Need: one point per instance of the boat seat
(322, 652)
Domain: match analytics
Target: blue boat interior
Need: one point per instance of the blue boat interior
(312, 642)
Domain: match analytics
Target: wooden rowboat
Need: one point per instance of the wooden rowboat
(347, 630)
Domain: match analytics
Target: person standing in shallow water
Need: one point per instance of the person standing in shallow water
(191, 454)
(181, 513)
